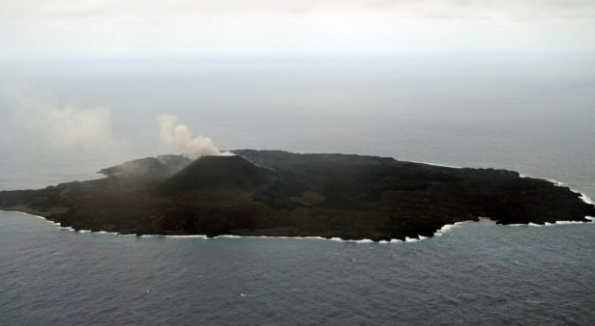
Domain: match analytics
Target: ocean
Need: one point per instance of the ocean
(532, 116)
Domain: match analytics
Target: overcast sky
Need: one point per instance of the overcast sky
(66, 28)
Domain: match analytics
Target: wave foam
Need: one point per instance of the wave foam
(567, 222)
(394, 241)
(107, 232)
(182, 236)
(438, 164)
(531, 224)
(447, 228)
(585, 198)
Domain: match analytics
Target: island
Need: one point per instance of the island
(277, 193)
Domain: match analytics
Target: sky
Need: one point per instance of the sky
(132, 28)
(89, 82)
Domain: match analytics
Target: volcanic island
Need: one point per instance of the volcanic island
(277, 193)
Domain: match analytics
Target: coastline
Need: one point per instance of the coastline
(440, 232)
(412, 237)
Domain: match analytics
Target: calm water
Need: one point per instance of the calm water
(538, 121)
(477, 274)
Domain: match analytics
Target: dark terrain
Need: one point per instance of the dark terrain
(284, 194)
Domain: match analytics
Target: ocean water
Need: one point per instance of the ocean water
(476, 274)
(515, 115)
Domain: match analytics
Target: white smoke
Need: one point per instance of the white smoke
(179, 138)
(43, 121)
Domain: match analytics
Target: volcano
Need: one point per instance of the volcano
(278, 193)
(219, 173)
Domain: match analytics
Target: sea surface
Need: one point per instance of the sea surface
(519, 116)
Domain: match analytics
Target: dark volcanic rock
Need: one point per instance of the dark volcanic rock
(147, 169)
(285, 194)
(218, 173)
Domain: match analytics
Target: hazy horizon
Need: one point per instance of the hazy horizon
(85, 80)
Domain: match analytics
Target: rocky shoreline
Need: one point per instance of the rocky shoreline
(276, 193)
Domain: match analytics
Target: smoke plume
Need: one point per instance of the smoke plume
(39, 119)
(178, 137)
